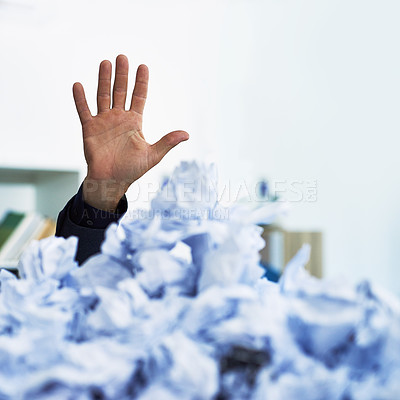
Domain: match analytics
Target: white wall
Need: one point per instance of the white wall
(317, 97)
(292, 90)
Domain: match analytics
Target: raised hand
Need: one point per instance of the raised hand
(116, 151)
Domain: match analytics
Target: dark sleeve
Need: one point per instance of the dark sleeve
(87, 223)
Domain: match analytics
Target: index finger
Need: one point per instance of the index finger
(139, 94)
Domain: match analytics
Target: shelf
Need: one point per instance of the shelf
(43, 190)
(281, 246)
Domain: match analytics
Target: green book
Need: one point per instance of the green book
(8, 224)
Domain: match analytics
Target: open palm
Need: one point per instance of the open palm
(116, 151)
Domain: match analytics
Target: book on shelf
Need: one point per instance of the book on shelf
(9, 223)
(17, 231)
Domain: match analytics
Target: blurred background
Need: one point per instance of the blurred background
(304, 94)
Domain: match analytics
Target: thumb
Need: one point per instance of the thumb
(166, 143)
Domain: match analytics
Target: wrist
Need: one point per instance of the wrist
(103, 194)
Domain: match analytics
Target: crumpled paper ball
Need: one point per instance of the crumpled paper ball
(174, 307)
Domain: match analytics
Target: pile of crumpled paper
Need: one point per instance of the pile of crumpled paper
(174, 307)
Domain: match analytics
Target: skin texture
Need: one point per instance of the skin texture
(115, 149)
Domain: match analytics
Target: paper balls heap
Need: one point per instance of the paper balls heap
(175, 307)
